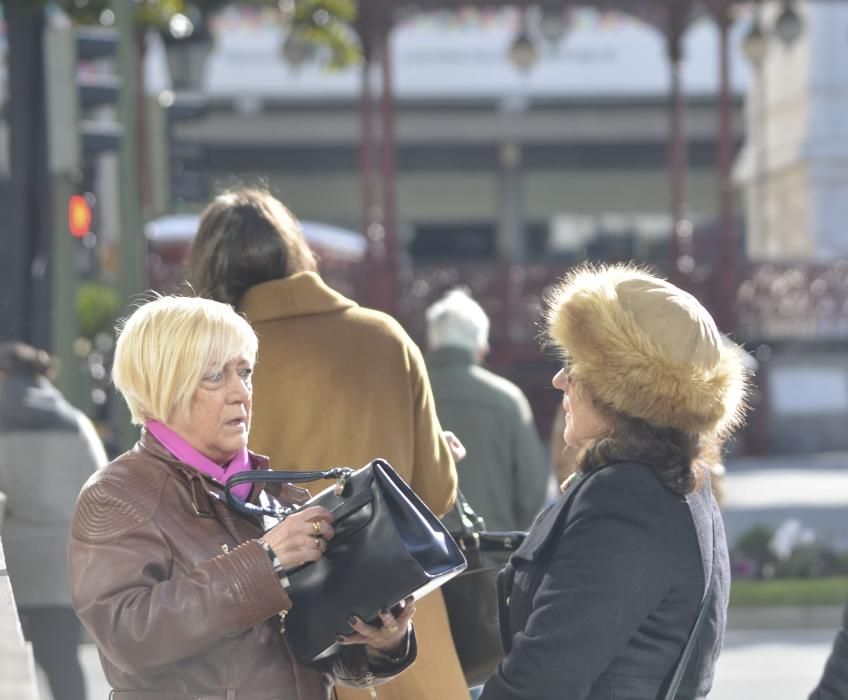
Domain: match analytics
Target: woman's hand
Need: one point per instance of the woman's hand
(457, 449)
(301, 537)
(389, 637)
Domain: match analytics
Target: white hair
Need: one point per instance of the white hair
(457, 320)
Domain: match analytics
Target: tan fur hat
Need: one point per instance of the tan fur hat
(648, 349)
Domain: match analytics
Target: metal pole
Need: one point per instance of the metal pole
(366, 145)
(131, 280)
(727, 236)
(25, 263)
(681, 235)
(389, 300)
(762, 169)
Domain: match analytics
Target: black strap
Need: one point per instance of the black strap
(469, 521)
(272, 476)
(689, 647)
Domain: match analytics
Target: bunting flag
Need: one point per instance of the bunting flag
(494, 19)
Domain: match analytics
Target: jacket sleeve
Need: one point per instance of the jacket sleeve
(530, 471)
(834, 681)
(604, 578)
(141, 610)
(356, 667)
(434, 474)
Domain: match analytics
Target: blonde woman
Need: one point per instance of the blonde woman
(180, 593)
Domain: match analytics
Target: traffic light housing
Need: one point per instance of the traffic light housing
(178, 165)
(81, 82)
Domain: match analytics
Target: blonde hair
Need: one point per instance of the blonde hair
(166, 347)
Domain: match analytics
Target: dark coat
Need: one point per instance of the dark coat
(834, 681)
(599, 600)
(505, 474)
(47, 451)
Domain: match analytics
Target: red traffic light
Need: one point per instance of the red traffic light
(79, 216)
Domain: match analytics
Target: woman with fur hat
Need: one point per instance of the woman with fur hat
(601, 597)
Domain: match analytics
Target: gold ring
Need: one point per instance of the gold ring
(392, 628)
(316, 527)
(317, 542)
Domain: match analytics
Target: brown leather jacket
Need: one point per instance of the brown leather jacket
(179, 595)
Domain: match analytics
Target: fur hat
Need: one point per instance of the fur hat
(648, 349)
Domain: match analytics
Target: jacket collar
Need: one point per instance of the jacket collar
(148, 443)
(450, 356)
(301, 294)
(547, 525)
(203, 491)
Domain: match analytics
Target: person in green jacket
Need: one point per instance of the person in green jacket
(505, 474)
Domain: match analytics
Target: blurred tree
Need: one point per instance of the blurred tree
(323, 24)
(98, 306)
(314, 23)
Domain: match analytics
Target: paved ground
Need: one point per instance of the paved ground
(761, 664)
(810, 488)
(777, 664)
(771, 664)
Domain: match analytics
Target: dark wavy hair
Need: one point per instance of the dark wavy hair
(679, 459)
(245, 237)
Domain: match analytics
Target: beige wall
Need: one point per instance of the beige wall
(473, 196)
(631, 191)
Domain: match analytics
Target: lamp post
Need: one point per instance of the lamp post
(788, 26)
(755, 45)
(728, 244)
(523, 53)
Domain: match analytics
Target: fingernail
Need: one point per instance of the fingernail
(339, 638)
(351, 619)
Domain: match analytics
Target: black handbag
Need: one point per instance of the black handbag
(387, 546)
(471, 598)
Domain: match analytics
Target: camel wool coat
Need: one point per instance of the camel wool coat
(339, 385)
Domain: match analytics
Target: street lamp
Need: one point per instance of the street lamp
(523, 53)
(552, 24)
(754, 43)
(187, 46)
(788, 24)
(297, 49)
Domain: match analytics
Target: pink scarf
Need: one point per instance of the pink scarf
(184, 452)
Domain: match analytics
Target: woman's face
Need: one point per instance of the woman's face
(219, 418)
(583, 422)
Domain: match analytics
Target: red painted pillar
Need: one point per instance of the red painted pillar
(377, 170)
(388, 302)
(366, 144)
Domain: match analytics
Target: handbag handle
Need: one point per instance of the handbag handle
(469, 521)
(272, 476)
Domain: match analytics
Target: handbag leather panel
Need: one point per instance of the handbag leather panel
(387, 546)
(350, 517)
(423, 534)
(472, 601)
